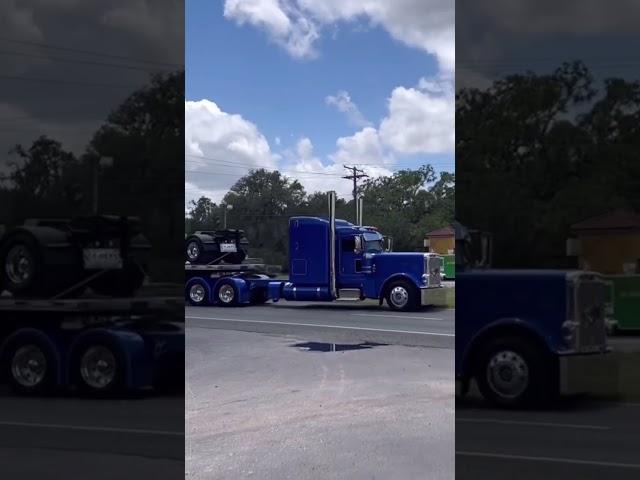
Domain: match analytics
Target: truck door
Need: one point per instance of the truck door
(350, 273)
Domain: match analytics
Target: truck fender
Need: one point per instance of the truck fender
(131, 348)
(44, 338)
(396, 276)
(503, 326)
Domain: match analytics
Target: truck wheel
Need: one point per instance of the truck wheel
(226, 294)
(30, 366)
(513, 372)
(98, 369)
(21, 266)
(402, 296)
(197, 294)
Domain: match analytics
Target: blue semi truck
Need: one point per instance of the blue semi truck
(525, 336)
(329, 259)
(74, 315)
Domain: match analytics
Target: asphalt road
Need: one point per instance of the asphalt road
(342, 322)
(66, 437)
(288, 392)
(580, 438)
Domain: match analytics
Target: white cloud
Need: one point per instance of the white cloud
(284, 23)
(296, 24)
(229, 144)
(421, 119)
(342, 101)
(316, 176)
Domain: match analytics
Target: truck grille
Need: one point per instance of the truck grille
(590, 314)
(433, 267)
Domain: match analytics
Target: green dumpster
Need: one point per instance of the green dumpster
(449, 266)
(625, 299)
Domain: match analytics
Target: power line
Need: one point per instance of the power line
(89, 52)
(83, 62)
(66, 82)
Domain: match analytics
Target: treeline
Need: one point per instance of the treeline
(142, 137)
(404, 206)
(538, 153)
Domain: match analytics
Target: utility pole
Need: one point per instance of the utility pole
(355, 176)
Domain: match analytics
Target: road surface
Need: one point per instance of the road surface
(346, 322)
(283, 391)
(70, 438)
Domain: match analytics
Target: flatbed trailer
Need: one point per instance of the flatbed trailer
(95, 345)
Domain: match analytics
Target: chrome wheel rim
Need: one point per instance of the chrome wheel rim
(19, 264)
(226, 294)
(196, 293)
(193, 251)
(29, 366)
(98, 367)
(399, 296)
(508, 374)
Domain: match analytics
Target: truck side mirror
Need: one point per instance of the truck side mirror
(357, 240)
(388, 246)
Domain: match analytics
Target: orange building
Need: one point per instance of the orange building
(609, 243)
(441, 241)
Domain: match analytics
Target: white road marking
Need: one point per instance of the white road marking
(574, 461)
(320, 325)
(532, 424)
(91, 429)
(392, 316)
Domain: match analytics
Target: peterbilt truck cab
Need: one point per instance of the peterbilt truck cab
(525, 336)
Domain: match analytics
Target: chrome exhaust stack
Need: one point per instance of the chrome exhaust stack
(359, 209)
(332, 245)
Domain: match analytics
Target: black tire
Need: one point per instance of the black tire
(515, 372)
(226, 294)
(98, 369)
(234, 258)
(29, 366)
(120, 283)
(196, 294)
(402, 296)
(21, 264)
(194, 251)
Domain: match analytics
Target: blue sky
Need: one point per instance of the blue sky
(268, 104)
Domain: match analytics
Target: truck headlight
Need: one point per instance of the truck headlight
(425, 278)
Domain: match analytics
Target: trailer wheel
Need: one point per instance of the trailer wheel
(226, 294)
(30, 366)
(402, 296)
(98, 369)
(513, 372)
(197, 293)
(21, 265)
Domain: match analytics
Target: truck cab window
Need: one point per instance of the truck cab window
(348, 244)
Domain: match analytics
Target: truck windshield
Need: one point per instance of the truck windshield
(373, 243)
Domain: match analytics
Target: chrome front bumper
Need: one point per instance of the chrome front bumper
(432, 296)
(596, 373)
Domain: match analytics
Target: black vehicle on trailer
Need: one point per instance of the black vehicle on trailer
(55, 337)
(215, 247)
